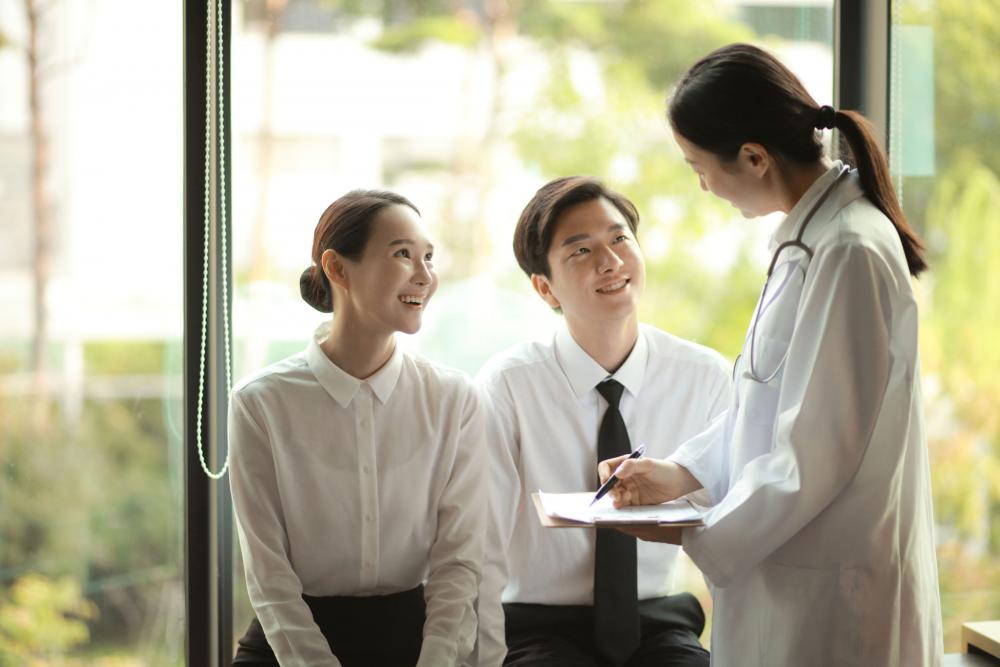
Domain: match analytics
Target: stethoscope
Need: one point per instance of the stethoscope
(797, 242)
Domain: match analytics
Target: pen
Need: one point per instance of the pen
(611, 481)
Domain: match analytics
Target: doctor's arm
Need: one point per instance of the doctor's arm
(456, 557)
(274, 588)
(706, 456)
(831, 393)
(698, 468)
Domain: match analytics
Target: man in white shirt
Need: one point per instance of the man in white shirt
(604, 385)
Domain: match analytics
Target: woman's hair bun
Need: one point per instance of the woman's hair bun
(315, 289)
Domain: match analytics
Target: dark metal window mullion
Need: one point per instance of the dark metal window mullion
(861, 60)
(207, 505)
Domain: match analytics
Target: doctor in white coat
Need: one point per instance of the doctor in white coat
(819, 546)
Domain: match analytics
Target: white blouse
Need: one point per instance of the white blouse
(358, 487)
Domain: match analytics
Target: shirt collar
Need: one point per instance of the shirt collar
(340, 384)
(383, 381)
(584, 373)
(790, 225)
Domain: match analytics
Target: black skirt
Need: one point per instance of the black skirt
(362, 631)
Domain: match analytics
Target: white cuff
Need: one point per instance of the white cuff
(437, 652)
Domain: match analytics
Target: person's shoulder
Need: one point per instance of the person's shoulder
(435, 376)
(858, 223)
(667, 346)
(276, 377)
(516, 359)
(862, 230)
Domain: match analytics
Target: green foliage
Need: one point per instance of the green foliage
(965, 312)
(961, 349)
(959, 209)
(620, 134)
(561, 23)
(444, 29)
(95, 499)
(411, 24)
(41, 619)
(124, 357)
(713, 309)
(966, 78)
(662, 39)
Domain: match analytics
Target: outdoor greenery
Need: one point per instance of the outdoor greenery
(959, 213)
(41, 618)
(90, 488)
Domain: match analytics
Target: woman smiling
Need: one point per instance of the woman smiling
(355, 466)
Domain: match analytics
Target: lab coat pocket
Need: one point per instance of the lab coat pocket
(814, 615)
(760, 399)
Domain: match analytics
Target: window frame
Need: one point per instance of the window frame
(208, 535)
(861, 69)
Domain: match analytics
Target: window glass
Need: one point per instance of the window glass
(90, 333)
(468, 108)
(945, 116)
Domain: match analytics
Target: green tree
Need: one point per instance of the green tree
(966, 81)
(92, 501)
(959, 211)
(623, 137)
(41, 620)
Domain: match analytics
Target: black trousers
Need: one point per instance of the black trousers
(384, 630)
(563, 635)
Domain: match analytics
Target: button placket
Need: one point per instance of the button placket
(368, 487)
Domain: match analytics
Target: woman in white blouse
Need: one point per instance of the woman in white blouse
(356, 474)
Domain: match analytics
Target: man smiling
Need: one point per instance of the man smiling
(602, 386)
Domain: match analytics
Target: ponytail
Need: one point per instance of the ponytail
(741, 93)
(873, 172)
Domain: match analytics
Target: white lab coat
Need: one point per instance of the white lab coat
(820, 546)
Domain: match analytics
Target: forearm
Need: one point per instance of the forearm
(681, 479)
(450, 629)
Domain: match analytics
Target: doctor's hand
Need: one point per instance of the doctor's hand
(647, 481)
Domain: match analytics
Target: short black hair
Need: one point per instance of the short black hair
(537, 224)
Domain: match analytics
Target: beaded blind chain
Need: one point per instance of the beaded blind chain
(216, 23)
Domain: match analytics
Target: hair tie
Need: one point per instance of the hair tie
(826, 118)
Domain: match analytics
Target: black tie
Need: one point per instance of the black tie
(616, 607)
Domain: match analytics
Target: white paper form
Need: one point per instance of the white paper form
(576, 507)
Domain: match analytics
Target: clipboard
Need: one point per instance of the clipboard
(558, 522)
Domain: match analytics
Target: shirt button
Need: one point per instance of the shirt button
(368, 518)
(367, 469)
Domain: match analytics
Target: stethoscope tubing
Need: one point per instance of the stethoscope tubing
(752, 373)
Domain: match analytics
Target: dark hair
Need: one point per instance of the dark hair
(344, 227)
(741, 94)
(536, 226)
